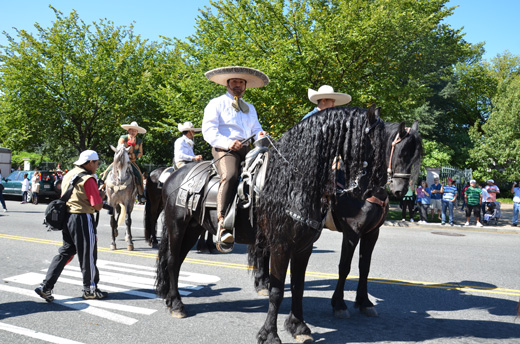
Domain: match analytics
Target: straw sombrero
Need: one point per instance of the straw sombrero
(253, 77)
(187, 126)
(134, 125)
(327, 92)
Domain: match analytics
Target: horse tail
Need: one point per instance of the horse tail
(162, 279)
(122, 215)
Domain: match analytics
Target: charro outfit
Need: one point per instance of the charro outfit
(80, 235)
(228, 118)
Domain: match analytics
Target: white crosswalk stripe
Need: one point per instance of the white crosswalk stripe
(116, 277)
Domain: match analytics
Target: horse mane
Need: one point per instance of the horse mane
(300, 175)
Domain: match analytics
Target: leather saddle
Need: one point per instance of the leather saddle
(199, 189)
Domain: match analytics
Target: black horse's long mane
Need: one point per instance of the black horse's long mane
(300, 176)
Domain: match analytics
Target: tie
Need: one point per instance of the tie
(239, 105)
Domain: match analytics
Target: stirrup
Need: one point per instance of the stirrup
(226, 243)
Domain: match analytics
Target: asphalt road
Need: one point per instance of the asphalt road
(430, 285)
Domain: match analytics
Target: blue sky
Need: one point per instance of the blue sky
(494, 22)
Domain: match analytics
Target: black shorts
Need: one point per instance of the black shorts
(474, 208)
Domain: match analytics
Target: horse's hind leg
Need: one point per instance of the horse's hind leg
(350, 241)
(128, 222)
(368, 242)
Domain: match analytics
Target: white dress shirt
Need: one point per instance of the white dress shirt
(222, 124)
(183, 150)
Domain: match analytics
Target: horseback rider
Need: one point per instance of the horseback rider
(183, 151)
(135, 153)
(227, 121)
(325, 98)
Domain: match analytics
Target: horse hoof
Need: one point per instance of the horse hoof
(342, 314)
(263, 292)
(130, 247)
(369, 311)
(179, 314)
(113, 247)
(304, 338)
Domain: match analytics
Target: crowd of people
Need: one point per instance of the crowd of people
(442, 199)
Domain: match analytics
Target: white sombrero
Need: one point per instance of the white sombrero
(187, 126)
(327, 92)
(253, 77)
(134, 125)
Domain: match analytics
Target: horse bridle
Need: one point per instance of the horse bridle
(389, 171)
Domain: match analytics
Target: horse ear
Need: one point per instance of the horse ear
(373, 113)
(113, 148)
(415, 126)
(402, 129)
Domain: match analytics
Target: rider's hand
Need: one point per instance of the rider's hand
(235, 145)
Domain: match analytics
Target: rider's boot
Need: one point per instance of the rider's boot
(225, 240)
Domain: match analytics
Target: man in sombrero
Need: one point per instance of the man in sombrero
(135, 153)
(325, 98)
(227, 121)
(183, 148)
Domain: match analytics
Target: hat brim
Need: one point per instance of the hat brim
(339, 98)
(253, 77)
(139, 129)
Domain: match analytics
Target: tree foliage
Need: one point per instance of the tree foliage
(74, 84)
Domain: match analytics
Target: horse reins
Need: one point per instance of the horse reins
(391, 175)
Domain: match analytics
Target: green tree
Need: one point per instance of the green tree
(73, 84)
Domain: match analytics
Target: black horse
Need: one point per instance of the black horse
(300, 189)
(360, 220)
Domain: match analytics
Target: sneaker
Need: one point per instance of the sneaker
(466, 224)
(479, 224)
(95, 295)
(44, 293)
(411, 220)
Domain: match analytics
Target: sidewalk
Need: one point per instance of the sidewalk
(504, 224)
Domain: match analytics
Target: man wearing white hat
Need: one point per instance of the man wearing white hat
(79, 236)
(135, 153)
(325, 97)
(183, 148)
(228, 120)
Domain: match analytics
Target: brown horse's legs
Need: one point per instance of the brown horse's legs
(279, 263)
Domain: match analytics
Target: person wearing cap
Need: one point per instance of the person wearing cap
(80, 235)
(131, 140)
(183, 148)
(449, 197)
(325, 98)
(515, 189)
(228, 120)
(473, 199)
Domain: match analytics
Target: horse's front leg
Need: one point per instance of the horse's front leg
(295, 324)
(128, 222)
(350, 241)
(368, 242)
(268, 334)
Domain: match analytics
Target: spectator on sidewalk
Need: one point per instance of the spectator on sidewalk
(436, 198)
(516, 205)
(449, 197)
(408, 202)
(462, 194)
(25, 188)
(425, 193)
(473, 199)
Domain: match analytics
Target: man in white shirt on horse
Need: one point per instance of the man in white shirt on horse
(228, 120)
(183, 151)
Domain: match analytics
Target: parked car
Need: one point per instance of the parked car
(50, 184)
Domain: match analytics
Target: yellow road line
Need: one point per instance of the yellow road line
(446, 286)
